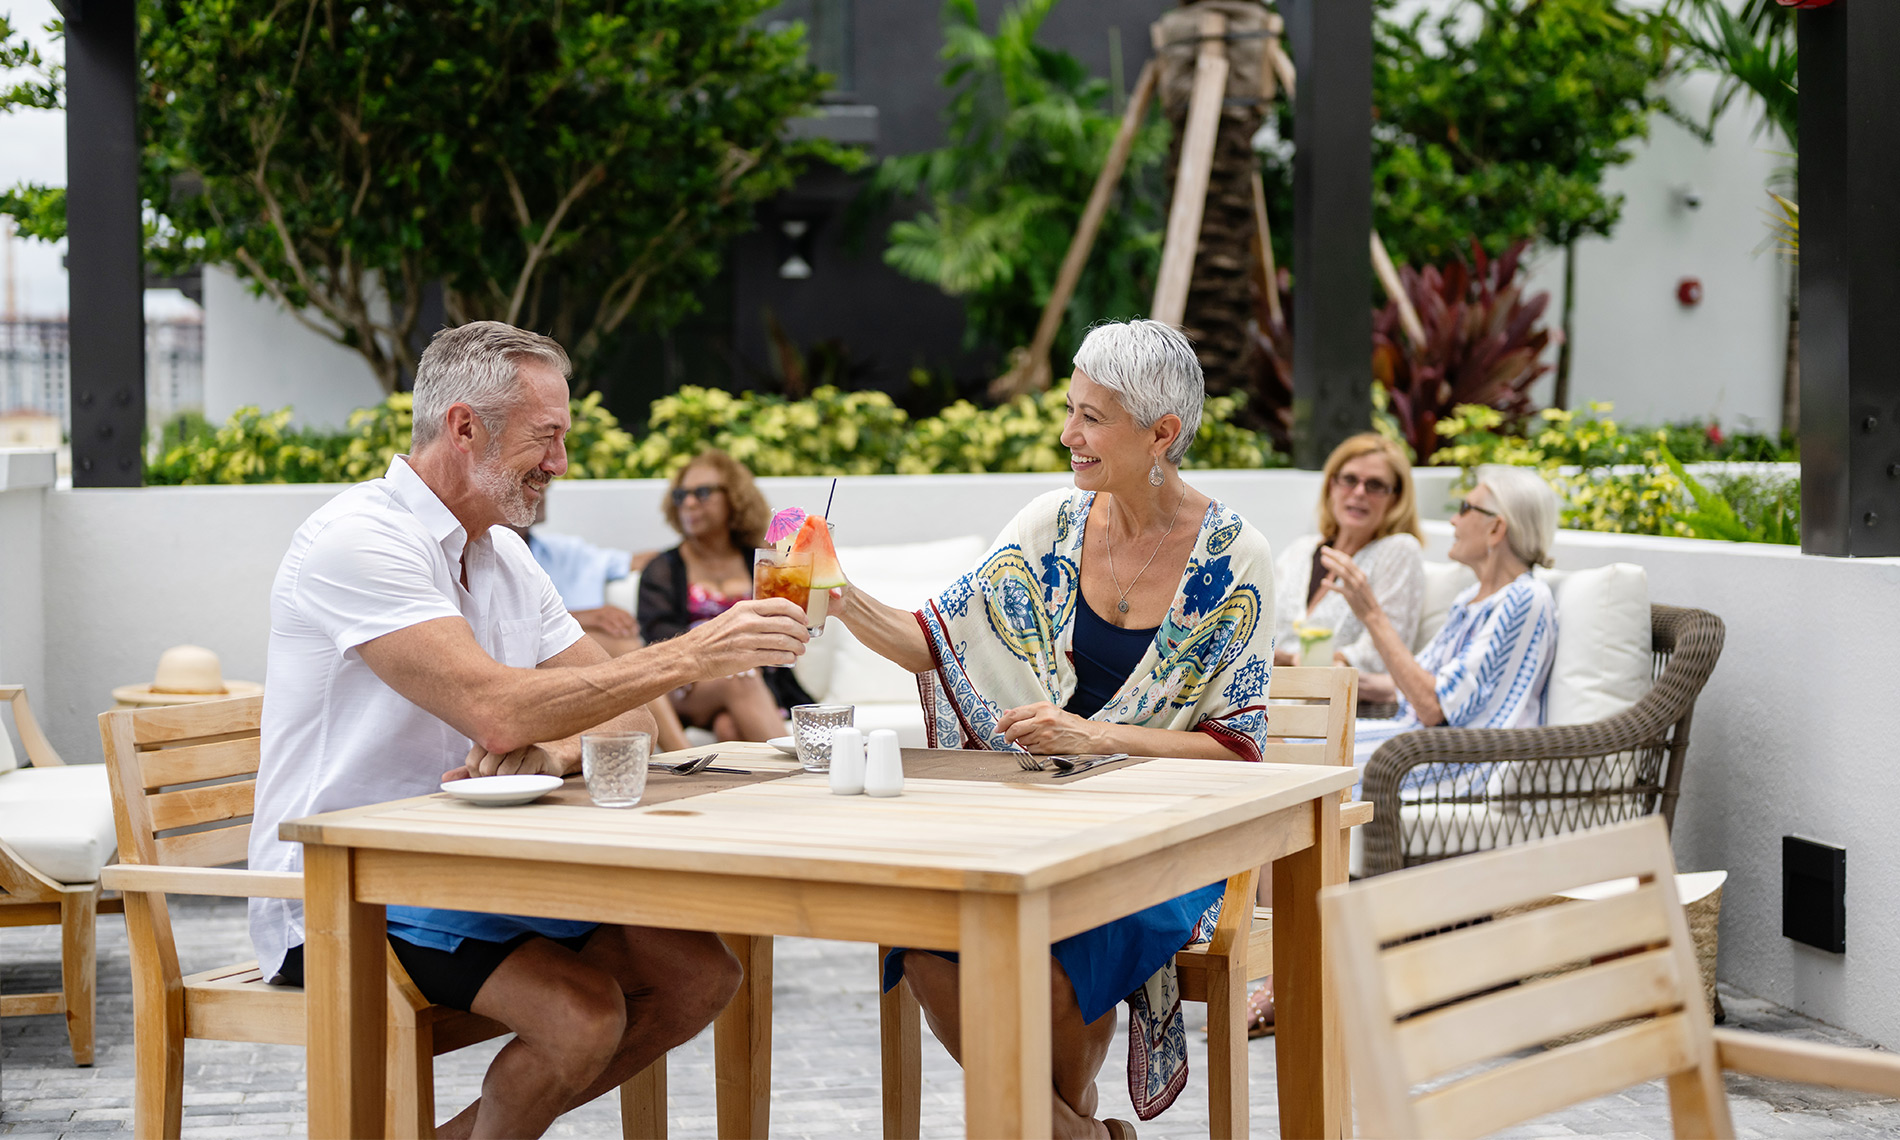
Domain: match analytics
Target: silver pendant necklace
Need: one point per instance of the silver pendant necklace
(1108, 538)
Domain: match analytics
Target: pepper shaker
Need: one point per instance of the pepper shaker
(847, 761)
(883, 765)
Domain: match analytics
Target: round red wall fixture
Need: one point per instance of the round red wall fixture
(1689, 292)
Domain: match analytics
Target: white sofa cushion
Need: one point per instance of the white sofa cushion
(59, 820)
(1604, 662)
(1444, 581)
(836, 667)
(625, 592)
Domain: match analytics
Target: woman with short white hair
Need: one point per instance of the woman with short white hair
(1128, 613)
(1488, 666)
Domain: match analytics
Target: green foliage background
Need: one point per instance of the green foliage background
(1029, 130)
(832, 433)
(1631, 481)
(565, 165)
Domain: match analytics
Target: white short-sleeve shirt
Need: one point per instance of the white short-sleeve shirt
(382, 556)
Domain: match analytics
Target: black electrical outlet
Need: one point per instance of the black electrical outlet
(1814, 893)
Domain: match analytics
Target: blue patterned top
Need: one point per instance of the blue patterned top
(1490, 664)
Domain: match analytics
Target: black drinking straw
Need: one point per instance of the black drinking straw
(828, 498)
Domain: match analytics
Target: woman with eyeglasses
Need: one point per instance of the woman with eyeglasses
(718, 510)
(1488, 666)
(1368, 513)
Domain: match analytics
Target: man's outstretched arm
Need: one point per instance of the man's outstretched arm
(438, 665)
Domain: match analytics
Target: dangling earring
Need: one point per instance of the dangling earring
(1154, 474)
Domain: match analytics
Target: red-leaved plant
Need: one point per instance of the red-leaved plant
(1482, 345)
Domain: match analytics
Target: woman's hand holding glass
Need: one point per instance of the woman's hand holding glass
(1044, 729)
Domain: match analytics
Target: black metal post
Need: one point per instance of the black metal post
(1332, 224)
(1850, 279)
(104, 243)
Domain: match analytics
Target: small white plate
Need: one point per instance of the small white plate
(502, 791)
(784, 744)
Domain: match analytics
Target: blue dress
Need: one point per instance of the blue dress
(1110, 962)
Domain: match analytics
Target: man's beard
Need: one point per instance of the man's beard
(507, 490)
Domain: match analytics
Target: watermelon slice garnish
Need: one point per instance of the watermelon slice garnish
(784, 525)
(814, 536)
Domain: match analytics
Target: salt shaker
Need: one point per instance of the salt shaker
(883, 766)
(847, 761)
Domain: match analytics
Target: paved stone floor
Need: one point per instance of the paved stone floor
(824, 1062)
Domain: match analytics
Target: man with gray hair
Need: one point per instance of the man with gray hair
(414, 640)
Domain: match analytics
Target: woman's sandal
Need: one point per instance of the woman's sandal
(1119, 1129)
(1260, 1011)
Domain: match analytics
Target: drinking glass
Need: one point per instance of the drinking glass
(1316, 644)
(812, 726)
(787, 576)
(615, 766)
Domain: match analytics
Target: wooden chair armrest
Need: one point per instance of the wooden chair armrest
(1355, 813)
(39, 750)
(1808, 1062)
(221, 881)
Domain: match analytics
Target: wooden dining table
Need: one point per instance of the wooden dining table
(996, 870)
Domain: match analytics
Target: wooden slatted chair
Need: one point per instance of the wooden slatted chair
(1441, 978)
(55, 836)
(183, 782)
(1311, 723)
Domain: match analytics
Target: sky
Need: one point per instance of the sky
(33, 149)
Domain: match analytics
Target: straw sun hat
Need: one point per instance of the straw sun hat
(186, 674)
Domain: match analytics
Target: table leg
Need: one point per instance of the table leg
(742, 1043)
(345, 998)
(1308, 1053)
(900, 1041)
(1005, 1015)
(643, 1104)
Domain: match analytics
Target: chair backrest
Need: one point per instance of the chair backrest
(1444, 971)
(1310, 714)
(184, 779)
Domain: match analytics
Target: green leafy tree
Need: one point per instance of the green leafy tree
(565, 165)
(1497, 120)
(1029, 130)
(29, 82)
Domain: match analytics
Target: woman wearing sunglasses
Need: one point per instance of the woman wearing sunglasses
(1368, 513)
(1488, 666)
(717, 508)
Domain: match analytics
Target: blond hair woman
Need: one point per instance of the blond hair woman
(1368, 512)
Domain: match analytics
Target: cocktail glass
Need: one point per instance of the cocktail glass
(787, 576)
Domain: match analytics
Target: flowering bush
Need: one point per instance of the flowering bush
(831, 433)
(1626, 482)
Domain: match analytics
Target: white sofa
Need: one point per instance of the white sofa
(837, 668)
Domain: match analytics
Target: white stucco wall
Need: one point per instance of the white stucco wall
(25, 476)
(257, 353)
(1634, 345)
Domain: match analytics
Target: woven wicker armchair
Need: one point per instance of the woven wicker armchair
(1492, 787)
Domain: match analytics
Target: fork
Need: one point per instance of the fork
(1029, 763)
(1072, 764)
(689, 767)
